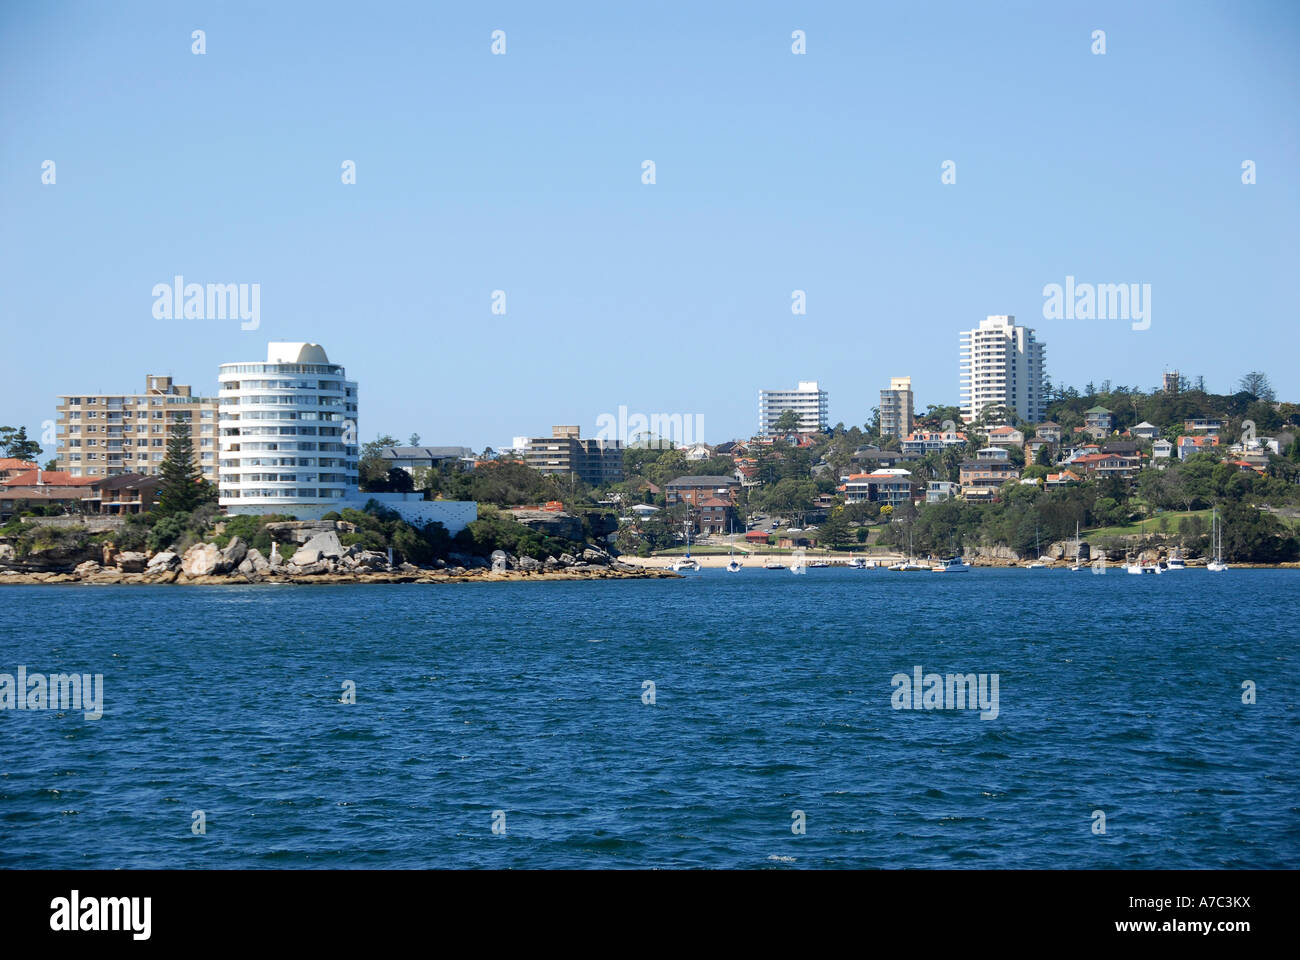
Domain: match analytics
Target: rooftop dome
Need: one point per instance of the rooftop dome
(284, 352)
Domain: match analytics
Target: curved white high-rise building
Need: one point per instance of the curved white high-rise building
(288, 434)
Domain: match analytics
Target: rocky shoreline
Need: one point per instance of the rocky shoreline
(321, 559)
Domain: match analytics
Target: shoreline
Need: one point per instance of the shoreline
(755, 562)
(110, 578)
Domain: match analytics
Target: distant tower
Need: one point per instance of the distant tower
(808, 400)
(1002, 365)
(896, 408)
(1171, 381)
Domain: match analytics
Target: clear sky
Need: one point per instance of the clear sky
(523, 173)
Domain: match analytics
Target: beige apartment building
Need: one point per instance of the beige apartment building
(564, 452)
(107, 435)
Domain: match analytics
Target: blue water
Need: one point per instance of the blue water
(1116, 693)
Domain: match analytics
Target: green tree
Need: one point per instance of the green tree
(183, 487)
(372, 469)
(14, 443)
(834, 530)
(787, 422)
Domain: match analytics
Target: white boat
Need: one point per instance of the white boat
(1099, 565)
(951, 565)
(1176, 563)
(1040, 563)
(1217, 565)
(798, 565)
(733, 565)
(856, 563)
(687, 562)
(773, 565)
(1140, 568)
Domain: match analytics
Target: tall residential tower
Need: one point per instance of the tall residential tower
(288, 433)
(896, 408)
(1002, 366)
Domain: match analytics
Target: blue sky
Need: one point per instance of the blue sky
(522, 173)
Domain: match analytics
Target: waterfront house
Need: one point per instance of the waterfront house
(1049, 431)
(939, 490)
(928, 441)
(695, 490)
(10, 467)
(1098, 419)
(1187, 444)
(980, 479)
(125, 493)
(1005, 436)
(1063, 479)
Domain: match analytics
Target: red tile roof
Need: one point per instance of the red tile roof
(48, 478)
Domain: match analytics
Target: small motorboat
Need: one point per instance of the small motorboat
(951, 565)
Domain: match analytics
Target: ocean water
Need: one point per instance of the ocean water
(521, 705)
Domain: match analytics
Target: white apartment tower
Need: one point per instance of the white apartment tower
(810, 403)
(288, 432)
(1002, 365)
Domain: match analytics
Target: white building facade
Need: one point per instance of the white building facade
(811, 403)
(288, 431)
(1002, 365)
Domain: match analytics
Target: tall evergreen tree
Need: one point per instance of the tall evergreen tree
(14, 443)
(183, 486)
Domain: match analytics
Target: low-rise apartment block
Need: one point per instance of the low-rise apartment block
(110, 434)
(566, 453)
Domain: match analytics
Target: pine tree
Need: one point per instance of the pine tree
(183, 486)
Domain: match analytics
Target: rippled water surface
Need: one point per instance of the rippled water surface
(1117, 694)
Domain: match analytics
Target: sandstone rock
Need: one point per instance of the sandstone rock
(201, 560)
(166, 560)
(302, 531)
(372, 560)
(254, 556)
(320, 547)
(595, 555)
(567, 559)
(234, 553)
(129, 561)
(306, 569)
(558, 524)
(529, 565)
(87, 568)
